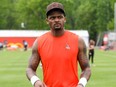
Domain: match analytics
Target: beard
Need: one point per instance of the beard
(57, 26)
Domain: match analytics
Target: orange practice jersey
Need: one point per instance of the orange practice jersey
(59, 59)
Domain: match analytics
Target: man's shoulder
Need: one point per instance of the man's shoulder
(46, 34)
(43, 37)
(71, 33)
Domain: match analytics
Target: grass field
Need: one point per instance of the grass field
(13, 65)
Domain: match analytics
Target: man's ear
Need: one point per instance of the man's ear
(65, 20)
(47, 21)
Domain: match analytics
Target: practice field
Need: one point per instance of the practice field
(13, 66)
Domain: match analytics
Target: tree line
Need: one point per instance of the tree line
(93, 15)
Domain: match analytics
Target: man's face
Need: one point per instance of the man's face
(56, 20)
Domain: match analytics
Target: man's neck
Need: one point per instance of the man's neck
(57, 33)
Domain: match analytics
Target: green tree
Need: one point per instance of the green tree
(93, 15)
(7, 19)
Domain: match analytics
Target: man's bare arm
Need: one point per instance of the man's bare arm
(33, 61)
(83, 60)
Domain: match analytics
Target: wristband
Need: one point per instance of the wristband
(83, 81)
(34, 79)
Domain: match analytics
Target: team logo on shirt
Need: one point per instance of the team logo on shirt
(67, 47)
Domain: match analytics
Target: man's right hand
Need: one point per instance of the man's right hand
(39, 84)
(79, 85)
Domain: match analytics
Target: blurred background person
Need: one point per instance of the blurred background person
(1, 45)
(5, 43)
(25, 44)
(91, 50)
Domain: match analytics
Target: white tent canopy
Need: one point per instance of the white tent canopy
(35, 33)
(84, 34)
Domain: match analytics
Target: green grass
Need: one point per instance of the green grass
(13, 66)
(104, 71)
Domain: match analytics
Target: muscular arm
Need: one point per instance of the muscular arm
(33, 64)
(33, 61)
(83, 60)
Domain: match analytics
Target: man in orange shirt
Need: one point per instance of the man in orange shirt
(59, 51)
